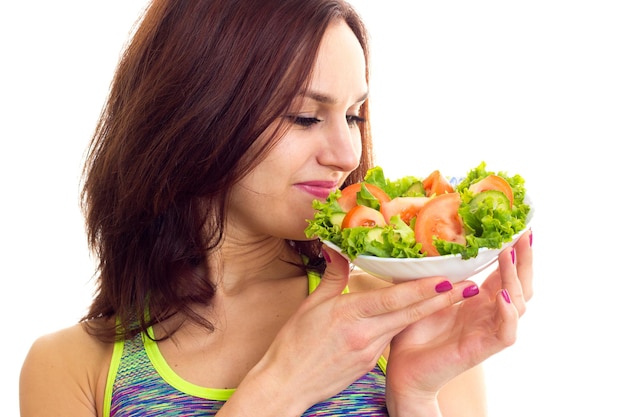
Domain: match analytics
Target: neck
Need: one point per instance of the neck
(238, 266)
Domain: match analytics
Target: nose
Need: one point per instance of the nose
(342, 146)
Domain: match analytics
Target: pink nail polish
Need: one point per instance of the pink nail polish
(506, 296)
(443, 286)
(470, 291)
(326, 256)
(513, 255)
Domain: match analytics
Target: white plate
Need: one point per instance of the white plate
(452, 267)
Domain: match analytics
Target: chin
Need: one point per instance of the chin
(299, 236)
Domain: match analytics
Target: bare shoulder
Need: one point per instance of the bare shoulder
(65, 373)
(73, 343)
(362, 281)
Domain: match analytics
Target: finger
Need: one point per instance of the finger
(507, 333)
(504, 332)
(524, 263)
(398, 306)
(335, 278)
(509, 279)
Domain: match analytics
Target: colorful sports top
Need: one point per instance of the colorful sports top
(141, 383)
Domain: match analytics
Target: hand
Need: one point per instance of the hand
(335, 338)
(434, 350)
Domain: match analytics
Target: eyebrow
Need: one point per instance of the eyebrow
(324, 99)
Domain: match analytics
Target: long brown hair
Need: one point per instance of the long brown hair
(196, 86)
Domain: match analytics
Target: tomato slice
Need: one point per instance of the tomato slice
(436, 184)
(439, 218)
(406, 207)
(493, 182)
(363, 216)
(348, 195)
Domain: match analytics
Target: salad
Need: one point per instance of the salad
(415, 217)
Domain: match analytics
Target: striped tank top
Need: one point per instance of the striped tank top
(141, 383)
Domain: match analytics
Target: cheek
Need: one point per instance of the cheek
(358, 144)
(265, 214)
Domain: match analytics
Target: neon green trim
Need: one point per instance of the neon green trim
(161, 366)
(118, 349)
(164, 370)
(315, 279)
(382, 363)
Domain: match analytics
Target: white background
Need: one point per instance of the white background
(535, 88)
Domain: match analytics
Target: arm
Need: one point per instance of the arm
(349, 333)
(442, 348)
(64, 374)
(465, 395)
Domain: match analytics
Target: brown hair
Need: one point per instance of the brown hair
(195, 88)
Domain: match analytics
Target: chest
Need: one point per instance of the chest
(156, 392)
(244, 327)
(200, 370)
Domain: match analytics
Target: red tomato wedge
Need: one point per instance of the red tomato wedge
(348, 195)
(363, 216)
(439, 218)
(436, 184)
(406, 207)
(493, 182)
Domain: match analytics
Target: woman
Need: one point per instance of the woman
(225, 120)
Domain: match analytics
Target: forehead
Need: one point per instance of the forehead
(339, 72)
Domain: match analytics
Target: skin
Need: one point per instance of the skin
(434, 341)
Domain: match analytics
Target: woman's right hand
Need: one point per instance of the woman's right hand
(335, 338)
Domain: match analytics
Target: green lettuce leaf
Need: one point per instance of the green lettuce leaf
(488, 219)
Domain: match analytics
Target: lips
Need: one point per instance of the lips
(318, 189)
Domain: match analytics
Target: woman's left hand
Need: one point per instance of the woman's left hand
(431, 352)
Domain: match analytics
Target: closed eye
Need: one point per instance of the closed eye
(354, 120)
(303, 121)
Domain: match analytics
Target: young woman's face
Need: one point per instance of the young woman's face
(320, 149)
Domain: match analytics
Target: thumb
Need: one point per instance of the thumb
(335, 278)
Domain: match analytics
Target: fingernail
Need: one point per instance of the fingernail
(505, 295)
(443, 286)
(470, 291)
(326, 256)
(530, 238)
(513, 255)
